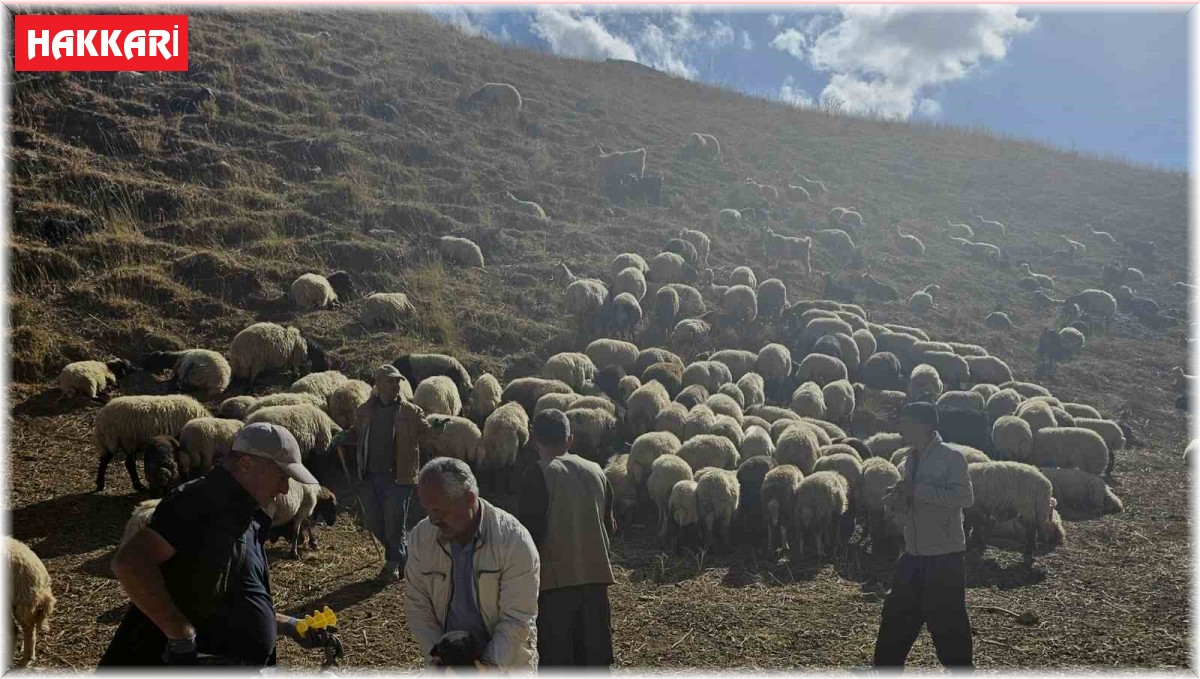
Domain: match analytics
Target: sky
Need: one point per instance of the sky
(1111, 81)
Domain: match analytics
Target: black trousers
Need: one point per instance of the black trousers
(574, 626)
(926, 590)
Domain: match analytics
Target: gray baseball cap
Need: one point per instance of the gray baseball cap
(388, 370)
(275, 443)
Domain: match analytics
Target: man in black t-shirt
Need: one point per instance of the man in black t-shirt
(197, 574)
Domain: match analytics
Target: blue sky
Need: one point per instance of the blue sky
(1106, 80)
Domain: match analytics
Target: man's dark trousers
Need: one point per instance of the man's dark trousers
(929, 590)
(574, 627)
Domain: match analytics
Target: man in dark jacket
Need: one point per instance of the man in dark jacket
(197, 573)
(929, 586)
(566, 504)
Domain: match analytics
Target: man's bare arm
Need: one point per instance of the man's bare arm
(136, 566)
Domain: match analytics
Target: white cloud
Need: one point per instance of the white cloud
(578, 36)
(747, 42)
(883, 56)
(795, 96)
(721, 33)
(460, 18)
(929, 108)
(775, 20)
(791, 41)
(660, 51)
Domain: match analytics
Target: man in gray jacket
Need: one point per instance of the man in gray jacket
(929, 586)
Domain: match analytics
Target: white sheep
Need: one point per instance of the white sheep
(343, 403)
(986, 391)
(908, 243)
(620, 163)
(924, 384)
(385, 309)
(1094, 303)
(505, 432)
(672, 418)
(601, 402)
(202, 441)
(808, 400)
(839, 401)
(778, 499)
(741, 303)
(584, 298)
(1003, 402)
(312, 291)
(836, 241)
(499, 96)
(1002, 489)
(1075, 248)
(691, 302)
(311, 427)
(668, 267)
(752, 387)
(236, 407)
(556, 401)
(1071, 447)
(461, 250)
(700, 241)
(266, 346)
(987, 370)
(757, 442)
(798, 194)
(438, 395)
(646, 449)
(822, 369)
(700, 420)
(627, 260)
(986, 252)
(990, 228)
(455, 437)
(799, 446)
(821, 500)
(285, 398)
(724, 404)
(605, 352)
(966, 400)
(319, 384)
(1108, 430)
(127, 423)
(1013, 438)
(630, 280)
(90, 378)
(31, 596)
(1038, 414)
(728, 427)
(199, 370)
(884, 444)
(717, 496)
(818, 326)
(594, 431)
(743, 275)
(738, 361)
(665, 471)
(575, 369)
(1082, 491)
(774, 362)
(958, 230)
(708, 450)
(682, 507)
(921, 301)
(690, 333)
(953, 369)
(728, 218)
(295, 509)
(702, 146)
(867, 345)
(644, 405)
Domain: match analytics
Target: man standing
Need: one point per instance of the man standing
(389, 430)
(197, 573)
(929, 585)
(472, 568)
(566, 503)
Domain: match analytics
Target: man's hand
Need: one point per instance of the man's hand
(900, 494)
(180, 651)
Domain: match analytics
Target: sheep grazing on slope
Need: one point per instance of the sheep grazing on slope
(1012, 438)
(295, 511)
(192, 370)
(497, 97)
(385, 309)
(921, 301)
(31, 594)
(485, 397)
(821, 500)
(312, 291)
(703, 147)
(619, 163)
(125, 424)
(416, 368)
(266, 346)
(91, 379)
(908, 243)
(438, 395)
(461, 250)
(321, 385)
(1004, 489)
(998, 320)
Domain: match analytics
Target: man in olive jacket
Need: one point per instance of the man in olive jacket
(389, 430)
(929, 586)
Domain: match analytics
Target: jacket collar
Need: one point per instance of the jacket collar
(933, 443)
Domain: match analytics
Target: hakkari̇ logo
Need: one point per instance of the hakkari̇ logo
(101, 42)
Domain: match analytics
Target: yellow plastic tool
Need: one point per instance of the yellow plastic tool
(318, 620)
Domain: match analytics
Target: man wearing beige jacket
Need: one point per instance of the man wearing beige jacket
(472, 567)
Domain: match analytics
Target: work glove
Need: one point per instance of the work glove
(180, 651)
(313, 638)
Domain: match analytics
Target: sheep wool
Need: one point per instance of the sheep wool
(606, 352)
(236, 407)
(505, 432)
(460, 251)
(774, 362)
(798, 446)
(987, 370)
(125, 423)
(202, 440)
(85, 378)
(717, 496)
(627, 260)
(1082, 491)
(924, 384)
(285, 398)
(385, 309)
(438, 395)
(266, 346)
(966, 400)
(822, 369)
(456, 437)
(682, 505)
(320, 384)
(1003, 402)
(313, 429)
(753, 388)
(821, 500)
(1070, 447)
(672, 419)
(31, 595)
(809, 401)
(1013, 438)
(1038, 414)
(644, 405)
(707, 450)
(739, 361)
(632, 281)
(575, 369)
(311, 291)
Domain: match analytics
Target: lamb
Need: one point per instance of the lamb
(987, 370)
(575, 369)
(320, 384)
(998, 320)
(709, 374)
(924, 384)
(921, 301)
(1005, 488)
(126, 423)
(92, 379)
(312, 428)
(312, 291)
(821, 500)
(1111, 432)
(463, 250)
(438, 395)
(683, 509)
(267, 346)
(31, 594)
(193, 370)
(296, 510)
(664, 473)
(1082, 491)
(717, 497)
(620, 163)
(839, 401)
(418, 367)
(497, 96)
(505, 433)
(907, 243)
(630, 280)
(385, 309)
(1071, 447)
(236, 407)
(708, 450)
(485, 397)
(202, 441)
(808, 400)
(752, 387)
(821, 369)
(1012, 438)
(799, 446)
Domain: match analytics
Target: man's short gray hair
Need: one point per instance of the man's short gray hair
(455, 475)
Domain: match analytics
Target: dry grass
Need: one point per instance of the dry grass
(202, 232)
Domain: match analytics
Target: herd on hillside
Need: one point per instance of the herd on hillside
(788, 442)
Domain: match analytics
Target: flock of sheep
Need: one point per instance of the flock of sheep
(789, 443)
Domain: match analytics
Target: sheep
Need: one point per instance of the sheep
(585, 298)
(630, 280)
(752, 387)
(987, 370)
(627, 260)
(598, 402)
(728, 218)
(456, 437)
(876, 409)
(798, 193)
(738, 362)
(808, 400)
(1092, 302)
(881, 370)
(994, 229)
(485, 397)
(556, 401)
(1012, 438)
(1037, 413)
(646, 449)
(575, 369)
(1111, 432)
(966, 350)
(691, 302)
(821, 369)
(343, 402)
(312, 291)
(236, 407)
(998, 320)
(664, 473)
(202, 441)
(907, 243)
(295, 510)
(684, 249)
(499, 96)
(731, 390)
(986, 391)
(952, 368)
(717, 499)
(1004, 402)
(653, 355)
(700, 420)
(320, 384)
(126, 423)
(605, 352)
(682, 508)
(437, 395)
(669, 375)
(757, 442)
(967, 400)
(690, 334)
(418, 367)
(921, 301)
(878, 477)
(463, 251)
(505, 433)
(883, 444)
(740, 304)
(878, 290)
(798, 445)
(311, 427)
(623, 490)
(708, 450)
(709, 374)
(1079, 410)
(672, 419)
(820, 326)
(778, 499)
(986, 252)
(1002, 489)
(768, 192)
(772, 414)
(812, 185)
(1082, 491)
(723, 404)
(92, 379)
(958, 230)
(198, 370)
(1074, 247)
(668, 267)
(777, 247)
(821, 500)
(1072, 447)
(824, 431)
(836, 241)
(897, 343)
(839, 401)
(728, 427)
(847, 465)
(342, 284)
(526, 207)
(619, 163)
(924, 384)
(285, 398)
(774, 363)
(31, 594)
(644, 405)
(700, 241)
(266, 346)
(964, 426)
(692, 396)
(385, 309)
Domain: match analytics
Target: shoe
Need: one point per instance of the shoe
(389, 574)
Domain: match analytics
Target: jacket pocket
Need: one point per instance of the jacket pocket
(439, 593)
(489, 596)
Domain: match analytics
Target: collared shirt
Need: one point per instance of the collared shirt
(463, 614)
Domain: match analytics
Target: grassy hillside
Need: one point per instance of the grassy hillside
(146, 217)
